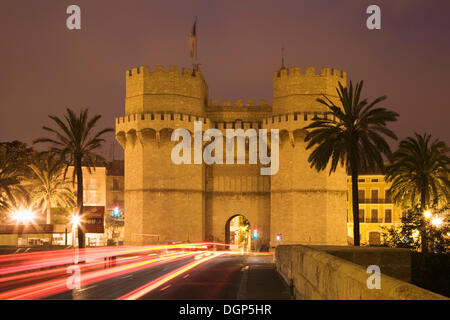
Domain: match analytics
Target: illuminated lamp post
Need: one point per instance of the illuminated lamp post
(436, 221)
(75, 222)
(22, 216)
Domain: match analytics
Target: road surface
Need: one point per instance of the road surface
(140, 273)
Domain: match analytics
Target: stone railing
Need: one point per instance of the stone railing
(314, 274)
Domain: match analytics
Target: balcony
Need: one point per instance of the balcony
(369, 200)
(373, 220)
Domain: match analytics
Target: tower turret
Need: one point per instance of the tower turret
(165, 91)
(297, 91)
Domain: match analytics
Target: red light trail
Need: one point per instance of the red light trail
(138, 293)
(38, 275)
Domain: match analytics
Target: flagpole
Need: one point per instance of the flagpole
(196, 38)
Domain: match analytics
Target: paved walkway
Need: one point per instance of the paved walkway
(261, 281)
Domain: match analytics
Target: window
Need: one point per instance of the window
(374, 238)
(90, 197)
(115, 184)
(361, 180)
(387, 196)
(388, 215)
(361, 215)
(374, 215)
(93, 183)
(374, 180)
(361, 195)
(375, 195)
(93, 196)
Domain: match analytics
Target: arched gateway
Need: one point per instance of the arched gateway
(238, 233)
(180, 202)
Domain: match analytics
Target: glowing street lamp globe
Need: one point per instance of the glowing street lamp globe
(75, 220)
(427, 214)
(437, 221)
(23, 215)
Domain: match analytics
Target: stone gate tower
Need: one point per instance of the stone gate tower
(166, 202)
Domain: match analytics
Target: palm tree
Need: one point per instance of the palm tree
(419, 174)
(75, 142)
(47, 184)
(9, 178)
(353, 137)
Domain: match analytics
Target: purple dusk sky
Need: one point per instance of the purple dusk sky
(45, 67)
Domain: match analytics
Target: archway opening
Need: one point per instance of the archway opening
(238, 233)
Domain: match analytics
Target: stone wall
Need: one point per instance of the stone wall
(192, 202)
(317, 275)
(394, 262)
(294, 89)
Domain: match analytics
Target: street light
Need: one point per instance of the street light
(436, 221)
(23, 215)
(427, 214)
(75, 221)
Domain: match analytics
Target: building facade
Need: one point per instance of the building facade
(59, 232)
(94, 195)
(376, 209)
(114, 219)
(167, 202)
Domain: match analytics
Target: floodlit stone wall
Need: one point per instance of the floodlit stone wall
(315, 274)
(166, 202)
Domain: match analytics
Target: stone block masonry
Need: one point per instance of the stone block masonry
(317, 275)
(166, 202)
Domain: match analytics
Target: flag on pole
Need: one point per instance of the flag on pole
(193, 40)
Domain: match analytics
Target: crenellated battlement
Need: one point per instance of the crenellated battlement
(134, 126)
(294, 72)
(295, 120)
(190, 199)
(158, 70)
(160, 88)
(295, 89)
(160, 118)
(238, 103)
